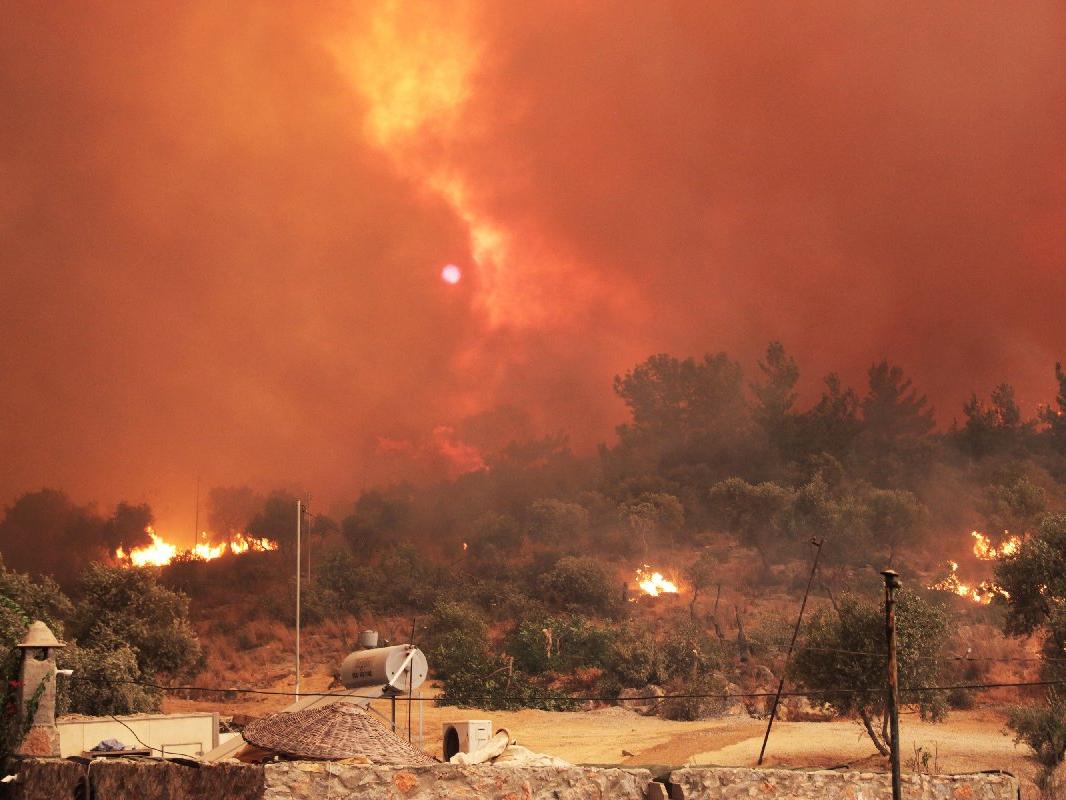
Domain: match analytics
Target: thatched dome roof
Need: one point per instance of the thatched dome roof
(339, 730)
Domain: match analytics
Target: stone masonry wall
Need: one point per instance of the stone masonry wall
(314, 780)
(306, 780)
(727, 783)
(123, 779)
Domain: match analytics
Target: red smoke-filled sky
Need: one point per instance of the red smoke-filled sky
(222, 225)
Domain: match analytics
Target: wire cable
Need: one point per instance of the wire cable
(546, 699)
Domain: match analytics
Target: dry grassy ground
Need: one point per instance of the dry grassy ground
(258, 652)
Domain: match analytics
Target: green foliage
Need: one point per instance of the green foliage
(1042, 728)
(685, 701)
(775, 395)
(28, 600)
(406, 579)
(342, 582)
(682, 410)
(892, 408)
(106, 680)
(894, 448)
(500, 532)
(894, 519)
(582, 585)
(993, 428)
(1054, 417)
(671, 399)
(688, 651)
(635, 658)
(701, 574)
(457, 639)
(489, 682)
(21, 602)
(1034, 579)
(276, 520)
(856, 684)
(755, 514)
(46, 533)
(471, 674)
(119, 607)
(380, 517)
(1016, 506)
(831, 513)
(833, 424)
(558, 644)
(554, 521)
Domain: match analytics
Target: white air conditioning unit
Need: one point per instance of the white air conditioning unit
(465, 736)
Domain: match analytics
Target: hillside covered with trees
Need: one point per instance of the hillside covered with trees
(519, 575)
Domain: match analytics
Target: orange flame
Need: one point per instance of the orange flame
(951, 583)
(984, 591)
(653, 583)
(158, 553)
(984, 550)
(161, 552)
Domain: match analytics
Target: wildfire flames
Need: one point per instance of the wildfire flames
(983, 548)
(161, 552)
(653, 583)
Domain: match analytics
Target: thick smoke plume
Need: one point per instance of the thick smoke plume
(223, 225)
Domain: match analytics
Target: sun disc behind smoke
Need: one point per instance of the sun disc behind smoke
(451, 274)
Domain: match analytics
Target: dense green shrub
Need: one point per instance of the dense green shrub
(128, 606)
(558, 644)
(106, 680)
(1042, 727)
(582, 585)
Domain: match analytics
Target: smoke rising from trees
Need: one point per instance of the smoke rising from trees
(223, 225)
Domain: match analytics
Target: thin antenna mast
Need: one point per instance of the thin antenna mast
(299, 520)
(196, 524)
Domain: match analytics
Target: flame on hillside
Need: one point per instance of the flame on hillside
(653, 583)
(980, 593)
(161, 552)
(984, 550)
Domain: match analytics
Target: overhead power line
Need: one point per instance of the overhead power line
(585, 698)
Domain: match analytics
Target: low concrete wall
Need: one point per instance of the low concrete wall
(190, 734)
(304, 780)
(726, 783)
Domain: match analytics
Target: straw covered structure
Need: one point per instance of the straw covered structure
(337, 731)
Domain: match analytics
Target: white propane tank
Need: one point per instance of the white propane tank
(380, 665)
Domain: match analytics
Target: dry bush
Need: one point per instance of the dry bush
(986, 655)
(1052, 783)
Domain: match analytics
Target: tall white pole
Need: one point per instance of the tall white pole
(299, 520)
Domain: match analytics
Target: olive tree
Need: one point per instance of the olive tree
(843, 660)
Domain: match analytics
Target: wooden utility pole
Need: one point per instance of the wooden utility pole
(892, 583)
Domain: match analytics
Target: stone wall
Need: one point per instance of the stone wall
(312, 780)
(728, 783)
(122, 779)
(304, 780)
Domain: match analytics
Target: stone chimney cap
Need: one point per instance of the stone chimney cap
(40, 635)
